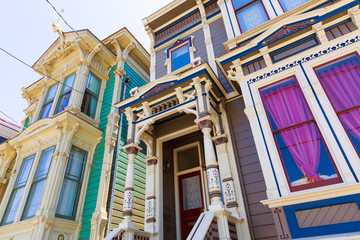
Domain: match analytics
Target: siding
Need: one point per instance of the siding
(218, 37)
(140, 170)
(160, 68)
(95, 172)
(254, 190)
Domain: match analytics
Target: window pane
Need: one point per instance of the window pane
(93, 83)
(180, 57)
(290, 4)
(68, 83)
(75, 165)
(51, 93)
(12, 206)
(24, 171)
(34, 199)
(304, 155)
(240, 3)
(251, 16)
(63, 102)
(68, 198)
(351, 122)
(191, 190)
(45, 111)
(285, 105)
(341, 82)
(44, 163)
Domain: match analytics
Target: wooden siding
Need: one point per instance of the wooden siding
(342, 213)
(260, 219)
(95, 172)
(199, 44)
(160, 68)
(218, 37)
(140, 170)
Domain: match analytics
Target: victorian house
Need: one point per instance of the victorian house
(250, 122)
(56, 173)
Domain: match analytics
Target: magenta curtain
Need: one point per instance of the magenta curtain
(342, 85)
(286, 107)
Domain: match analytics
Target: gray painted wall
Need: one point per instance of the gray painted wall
(254, 190)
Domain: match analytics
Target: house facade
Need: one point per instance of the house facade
(250, 122)
(56, 173)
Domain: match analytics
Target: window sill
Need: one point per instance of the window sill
(310, 195)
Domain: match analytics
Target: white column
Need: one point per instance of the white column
(150, 217)
(226, 176)
(212, 171)
(128, 202)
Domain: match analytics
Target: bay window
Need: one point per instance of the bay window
(69, 195)
(65, 93)
(341, 82)
(48, 102)
(250, 14)
(287, 5)
(38, 184)
(304, 154)
(91, 95)
(18, 191)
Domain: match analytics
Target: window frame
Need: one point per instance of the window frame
(338, 113)
(88, 92)
(177, 47)
(49, 102)
(236, 10)
(36, 179)
(80, 184)
(178, 44)
(60, 94)
(307, 186)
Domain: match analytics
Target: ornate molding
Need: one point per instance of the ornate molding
(205, 124)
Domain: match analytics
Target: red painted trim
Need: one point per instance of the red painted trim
(308, 185)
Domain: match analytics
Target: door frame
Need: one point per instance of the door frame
(176, 176)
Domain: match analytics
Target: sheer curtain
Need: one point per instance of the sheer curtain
(290, 115)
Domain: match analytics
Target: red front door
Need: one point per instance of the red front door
(191, 201)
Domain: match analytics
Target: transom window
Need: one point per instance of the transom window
(180, 55)
(69, 195)
(250, 14)
(287, 5)
(91, 95)
(341, 82)
(48, 102)
(304, 154)
(65, 93)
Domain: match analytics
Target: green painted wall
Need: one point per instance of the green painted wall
(95, 172)
(140, 169)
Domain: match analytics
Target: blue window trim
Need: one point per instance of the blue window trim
(297, 232)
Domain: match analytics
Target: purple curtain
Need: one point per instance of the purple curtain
(342, 85)
(286, 107)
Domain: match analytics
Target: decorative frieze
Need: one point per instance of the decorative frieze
(150, 209)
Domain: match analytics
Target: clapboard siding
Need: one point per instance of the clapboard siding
(140, 170)
(254, 189)
(160, 68)
(199, 44)
(218, 37)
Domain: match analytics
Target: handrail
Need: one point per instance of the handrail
(201, 226)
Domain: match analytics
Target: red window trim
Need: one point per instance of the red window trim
(308, 185)
(187, 42)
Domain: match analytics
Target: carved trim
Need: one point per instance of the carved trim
(205, 124)
(221, 140)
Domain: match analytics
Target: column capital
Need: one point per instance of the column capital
(220, 139)
(205, 123)
(131, 148)
(151, 161)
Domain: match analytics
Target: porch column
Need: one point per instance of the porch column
(226, 176)
(128, 202)
(150, 202)
(212, 171)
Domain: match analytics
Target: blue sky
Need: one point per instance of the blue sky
(26, 32)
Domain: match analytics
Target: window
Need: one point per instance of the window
(341, 82)
(250, 14)
(180, 56)
(304, 155)
(38, 185)
(48, 102)
(287, 5)
(65, 93)
(91, 95)
(71, 187)
(17, 193)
